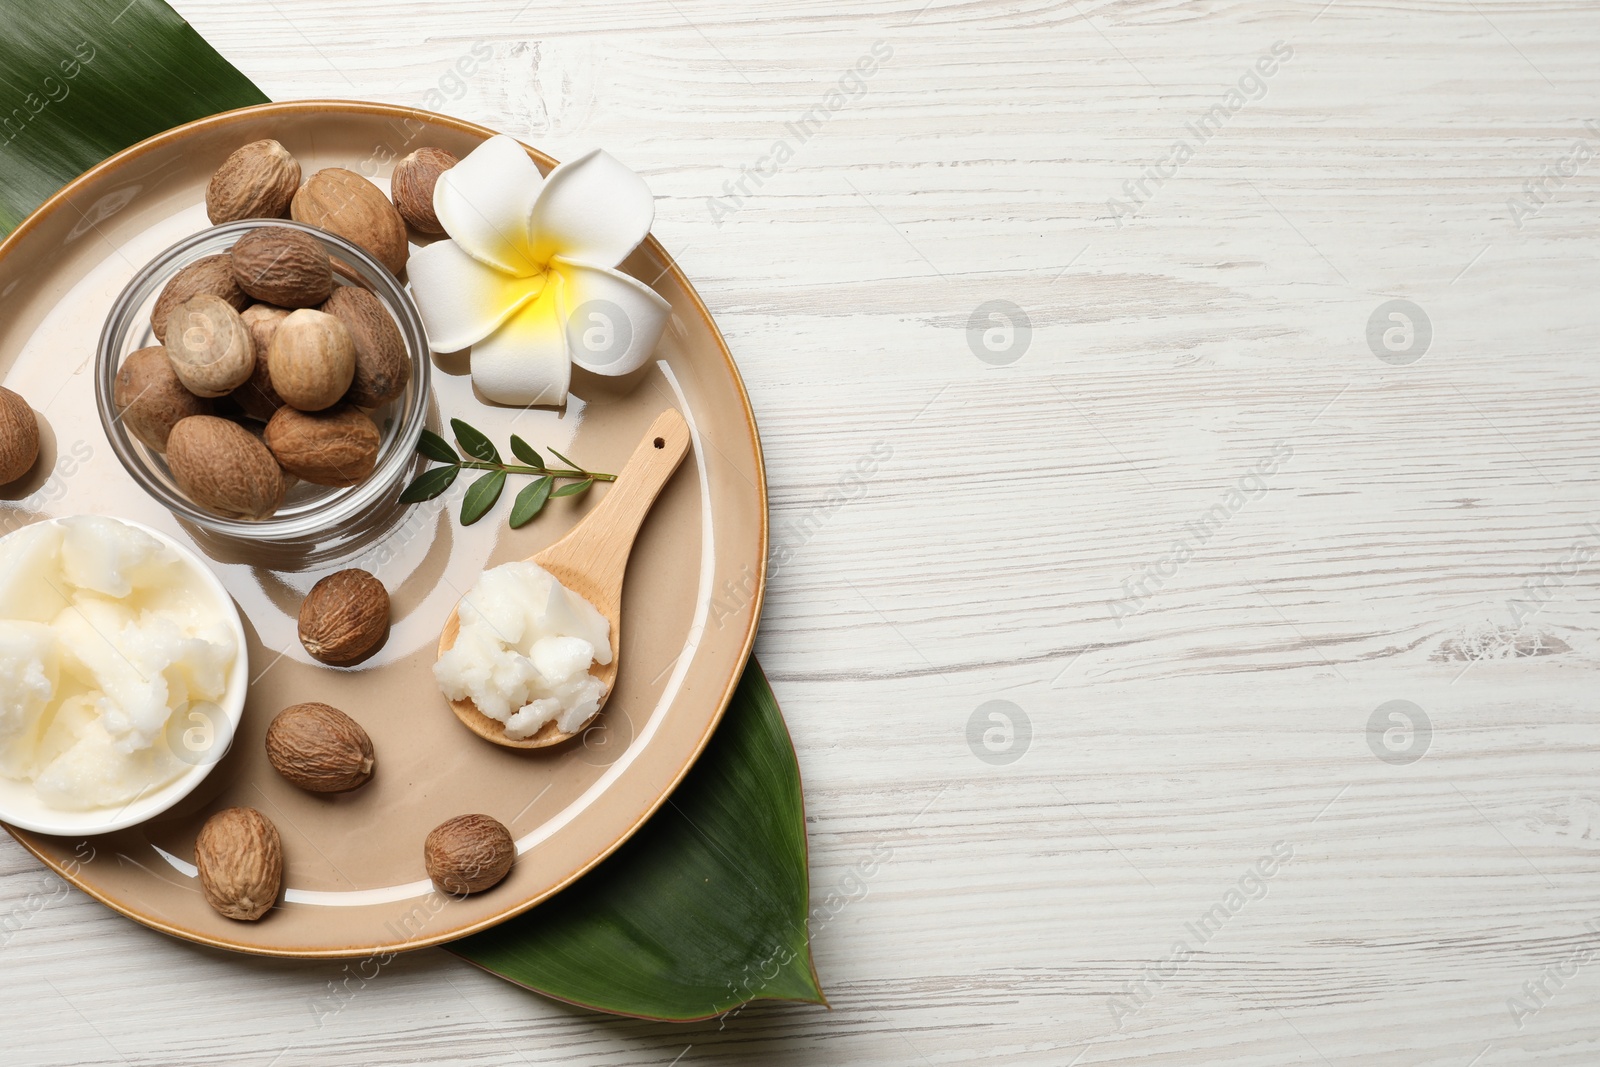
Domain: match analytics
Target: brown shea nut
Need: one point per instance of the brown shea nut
(337, 446)
(19, 437)
(256, 398)
(151, 399)
(468, 854)
(343, 202)
(312, 360)
(239, 857)
(213, 274)
(256, 182)
(209, 346)
(278, 265)
(259, 432)
(344, 617)
(412, 185)
(224, 468)
(320, 748)
(382, 367)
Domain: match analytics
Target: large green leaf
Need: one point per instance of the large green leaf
(83, 79)
(702, 910)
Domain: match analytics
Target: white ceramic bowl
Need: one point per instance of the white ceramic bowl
(20, 804)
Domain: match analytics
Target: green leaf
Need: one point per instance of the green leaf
(530, 501)
(524, 451)
(429, 484)
(687, 919)
(481, 496)
(574, 488)
(565, 460)
(474, 443)
(117, 73)
(435, 447)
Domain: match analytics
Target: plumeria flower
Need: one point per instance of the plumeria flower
(528, 279)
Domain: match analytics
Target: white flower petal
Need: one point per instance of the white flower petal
(485, 202)
(593, 210)
(461, 300)
(525, 361)
(613, 321)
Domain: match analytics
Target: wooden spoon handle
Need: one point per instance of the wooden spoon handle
(599, 546)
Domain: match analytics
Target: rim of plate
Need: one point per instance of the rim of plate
(63, 196)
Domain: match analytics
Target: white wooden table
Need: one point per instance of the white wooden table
(1051, 526)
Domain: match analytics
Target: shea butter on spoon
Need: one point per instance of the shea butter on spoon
(522, 654)
(530, 655)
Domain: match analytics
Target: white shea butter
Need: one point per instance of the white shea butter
(104, 631)
(524, 650)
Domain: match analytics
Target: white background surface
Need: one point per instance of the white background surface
(1169, 356)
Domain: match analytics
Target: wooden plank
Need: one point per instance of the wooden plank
(961, 532)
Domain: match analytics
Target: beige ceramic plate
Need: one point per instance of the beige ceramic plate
(354, 873)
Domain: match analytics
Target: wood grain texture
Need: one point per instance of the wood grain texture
(949, 532)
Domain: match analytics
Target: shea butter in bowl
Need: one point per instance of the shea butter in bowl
(123, 670)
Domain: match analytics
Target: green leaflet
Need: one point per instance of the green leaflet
(436, 448)
(525, 452)
(702, 910)
(429, 484)
(481, 496)
(474, 443)
(574, 488)
(83, 79)
(530, 501)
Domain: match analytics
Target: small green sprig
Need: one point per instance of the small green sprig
(479, 454)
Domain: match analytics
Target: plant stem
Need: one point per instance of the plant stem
(513, 468)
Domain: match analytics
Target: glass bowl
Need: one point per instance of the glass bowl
(309, 512)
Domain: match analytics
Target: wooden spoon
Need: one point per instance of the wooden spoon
(591, 561)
